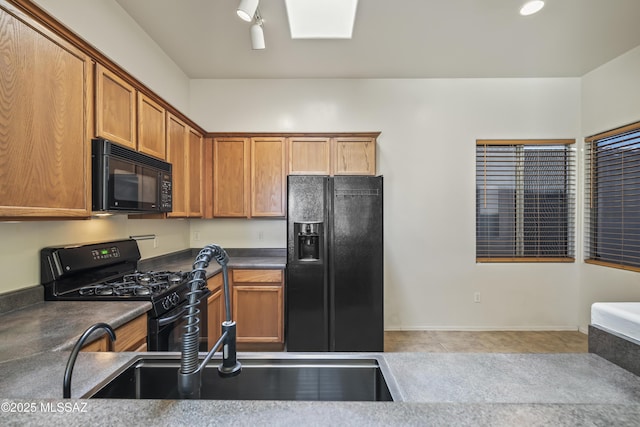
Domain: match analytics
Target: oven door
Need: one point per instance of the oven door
(165, 332)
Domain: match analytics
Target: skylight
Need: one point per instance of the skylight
(321, 19)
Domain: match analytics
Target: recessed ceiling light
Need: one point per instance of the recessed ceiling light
(531, 7)
(321, 19)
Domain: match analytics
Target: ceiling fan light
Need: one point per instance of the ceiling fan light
(531, 7)
(257, 37)
(247, 9)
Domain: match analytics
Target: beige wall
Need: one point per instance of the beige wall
(426, 153)
(20, 243)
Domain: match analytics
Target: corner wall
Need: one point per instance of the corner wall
(610, 99)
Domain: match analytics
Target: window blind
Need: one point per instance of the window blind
(525, 201)
(612, 199)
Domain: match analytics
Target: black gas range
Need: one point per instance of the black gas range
(107, 271)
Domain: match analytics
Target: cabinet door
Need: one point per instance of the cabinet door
(45, 123)
(231, 158)
(195, 172)
(354, 156)
(309, 155)
(268, 177)
(151, 127)
(258, 306)
(115, 108)
(132, 336)
(215, 312)
(176, 155)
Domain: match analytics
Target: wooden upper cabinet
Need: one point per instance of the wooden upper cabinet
(194, 167)
(176, 155)
(332, 155)
(115, 108)
(184, 152)
(249, 177)
(231, 170)
(354, 156)
(45, 122)
(151, 127)
(309, 155)
(268, 177)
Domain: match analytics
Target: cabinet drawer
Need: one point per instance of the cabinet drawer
(130, 336)
(101, 344)
(257, 276)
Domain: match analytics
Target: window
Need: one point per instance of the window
(525, 200)
(612, 200)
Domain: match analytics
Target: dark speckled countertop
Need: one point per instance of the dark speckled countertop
(441, 389)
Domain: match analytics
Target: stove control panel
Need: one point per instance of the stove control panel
(170, 301)
(105, 253)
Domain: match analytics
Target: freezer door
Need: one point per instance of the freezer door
(307, 312)
(356, 265)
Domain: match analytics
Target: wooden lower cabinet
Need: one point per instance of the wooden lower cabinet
(215, 311)
(132, 336)
(258, 308)
(101, 344)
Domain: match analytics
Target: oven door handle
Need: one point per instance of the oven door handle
(166, 320)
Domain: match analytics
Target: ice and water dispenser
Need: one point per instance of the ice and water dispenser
(308, 241)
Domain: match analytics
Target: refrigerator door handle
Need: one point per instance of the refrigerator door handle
(330, 311)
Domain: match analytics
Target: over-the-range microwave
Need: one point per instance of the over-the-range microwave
(126, 181)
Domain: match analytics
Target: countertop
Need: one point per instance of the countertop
(432, 388)
(435, 389)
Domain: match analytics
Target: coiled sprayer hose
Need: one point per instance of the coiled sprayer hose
(189, 367)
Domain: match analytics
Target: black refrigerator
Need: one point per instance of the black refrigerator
(334, 288)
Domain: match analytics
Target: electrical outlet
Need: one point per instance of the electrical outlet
(476, 297)
(260, 235)
(155, 242)
(196, 235)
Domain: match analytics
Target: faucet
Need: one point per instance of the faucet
(189, 374)
(66, 383)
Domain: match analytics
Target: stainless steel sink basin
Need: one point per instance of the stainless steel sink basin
(329, 378)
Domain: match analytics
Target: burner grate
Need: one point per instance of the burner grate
(136, 284)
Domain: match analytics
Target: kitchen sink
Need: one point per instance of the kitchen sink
(294, 377)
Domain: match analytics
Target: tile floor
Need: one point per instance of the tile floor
(486, 341)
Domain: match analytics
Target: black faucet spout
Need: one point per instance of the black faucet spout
(66, 384)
